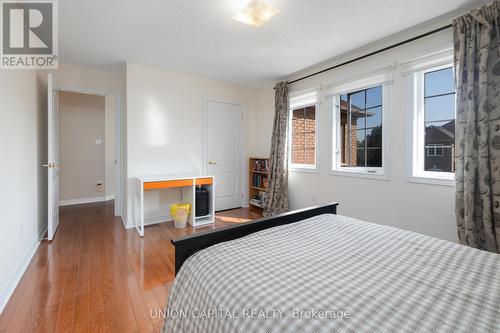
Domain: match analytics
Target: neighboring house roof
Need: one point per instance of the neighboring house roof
(450, 126)
(444, 134)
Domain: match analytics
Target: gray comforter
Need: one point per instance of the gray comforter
(336, 274)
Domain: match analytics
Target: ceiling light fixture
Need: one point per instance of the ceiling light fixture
(256, 13)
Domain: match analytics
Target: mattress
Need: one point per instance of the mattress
(332, 273)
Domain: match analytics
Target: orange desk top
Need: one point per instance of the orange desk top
(157, 185)
(203, 181)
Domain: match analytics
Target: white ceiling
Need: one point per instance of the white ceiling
(199, 36)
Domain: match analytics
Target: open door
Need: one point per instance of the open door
(53, 158)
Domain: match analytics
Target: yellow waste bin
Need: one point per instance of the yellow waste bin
(180, 212)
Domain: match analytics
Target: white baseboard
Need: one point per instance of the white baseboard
(158, 219)
(124, 221)
(69, 202)
(149, 220)
(7, 292)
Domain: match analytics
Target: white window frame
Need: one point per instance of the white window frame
(299, 101)
(382, 173)
(416, 172)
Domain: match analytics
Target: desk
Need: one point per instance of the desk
(186, 185)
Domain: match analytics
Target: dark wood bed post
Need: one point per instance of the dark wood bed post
(189, 245)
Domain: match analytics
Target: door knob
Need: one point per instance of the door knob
(50, 165)
(211, 162)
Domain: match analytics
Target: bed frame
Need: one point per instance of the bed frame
(189, 245)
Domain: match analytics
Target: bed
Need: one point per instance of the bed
(315, 271)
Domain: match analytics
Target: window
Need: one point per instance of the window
(434, 125)
(361, 128)
(439, 120)
(303, 133)
(303, 137)
(358, 131)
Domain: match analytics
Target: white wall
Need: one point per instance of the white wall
(82, 161)
(427, 209)
(164, 124)
(87, 78)
(23, 197)
(265, 120)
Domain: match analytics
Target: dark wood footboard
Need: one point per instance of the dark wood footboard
(188, 245)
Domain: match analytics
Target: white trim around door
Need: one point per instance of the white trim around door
(118, 181)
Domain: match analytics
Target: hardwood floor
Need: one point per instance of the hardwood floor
(96, 276)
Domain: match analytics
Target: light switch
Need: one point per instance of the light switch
(98, 141)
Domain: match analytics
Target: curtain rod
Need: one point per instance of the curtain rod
(373, 53)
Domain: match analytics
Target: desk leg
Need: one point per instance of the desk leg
(141, 205)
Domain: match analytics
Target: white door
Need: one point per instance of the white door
(224, 152)
(53, 158)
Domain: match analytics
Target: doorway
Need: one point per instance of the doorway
(69, 131)
(86, 149)
(224, 152)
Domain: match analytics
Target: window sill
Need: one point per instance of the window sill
(432, 181)
(359, 174)
(303, 169)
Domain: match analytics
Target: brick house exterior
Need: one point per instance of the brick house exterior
(303, 149)
(304, 136)
(356, 113)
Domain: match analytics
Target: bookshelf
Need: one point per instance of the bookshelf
(258, 180)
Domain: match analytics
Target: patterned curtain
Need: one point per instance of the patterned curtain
(276, 200)
(477, 71)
